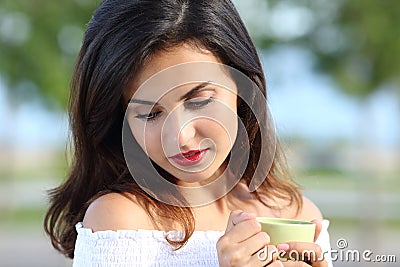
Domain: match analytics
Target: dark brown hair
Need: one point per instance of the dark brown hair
(121, 36)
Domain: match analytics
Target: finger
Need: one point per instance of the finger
(243, 231)
(257, 262)
(318, 228)
(264, 256)
(295, 264)
(255, 243)
(304, 251)
(276, 264)
(236, 217)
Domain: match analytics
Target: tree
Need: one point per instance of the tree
(39, 41)
(356, 41)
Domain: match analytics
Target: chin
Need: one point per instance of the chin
(199, 177)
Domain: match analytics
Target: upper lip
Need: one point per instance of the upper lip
(185, 154)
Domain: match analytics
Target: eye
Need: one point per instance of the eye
(152, 116)
(198, 104)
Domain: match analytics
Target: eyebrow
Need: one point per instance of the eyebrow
(184, 97)
(194, 91)
(139, 101)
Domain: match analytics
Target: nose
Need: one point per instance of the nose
(178, 132)
(186, 136)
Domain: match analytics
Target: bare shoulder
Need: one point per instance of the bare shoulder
(116, 211)
(309, 211)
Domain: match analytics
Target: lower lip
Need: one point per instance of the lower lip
(190, 161)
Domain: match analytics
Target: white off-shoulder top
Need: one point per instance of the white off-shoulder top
(144, 248)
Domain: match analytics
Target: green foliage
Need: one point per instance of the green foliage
(371, 57)
(355, 41)
(39, 41)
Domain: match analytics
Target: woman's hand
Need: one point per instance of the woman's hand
(242, 242)
(313, 253)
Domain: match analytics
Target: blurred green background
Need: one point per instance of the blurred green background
(333, 74)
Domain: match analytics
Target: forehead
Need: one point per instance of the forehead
(178, 66)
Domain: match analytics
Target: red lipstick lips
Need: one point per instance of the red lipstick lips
(189, 158)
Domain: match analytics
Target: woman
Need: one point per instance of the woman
(174, 153)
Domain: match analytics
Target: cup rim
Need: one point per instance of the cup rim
(284, 221)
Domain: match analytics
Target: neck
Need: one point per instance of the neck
(219, 210)
(214, 189)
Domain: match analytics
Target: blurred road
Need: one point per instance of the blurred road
(27, 246)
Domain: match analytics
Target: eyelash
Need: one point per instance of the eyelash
(198, 104)
(152, 116)
(195, 105)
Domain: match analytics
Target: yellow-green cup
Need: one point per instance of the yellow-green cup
(286, 230)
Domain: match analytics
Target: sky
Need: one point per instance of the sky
(30, 124)
(309, 104)
(303, 103)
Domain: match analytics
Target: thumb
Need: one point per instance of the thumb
(318, 228)
(236, 217)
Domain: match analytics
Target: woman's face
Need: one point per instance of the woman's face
(188, 128)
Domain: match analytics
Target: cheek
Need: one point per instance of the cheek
(227, 119)
(225, 124)
(222, 134)
(148, 138)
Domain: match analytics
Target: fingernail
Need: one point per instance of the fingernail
(284, 247)
(244, 215)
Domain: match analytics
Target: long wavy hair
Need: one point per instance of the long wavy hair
(121, 36)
